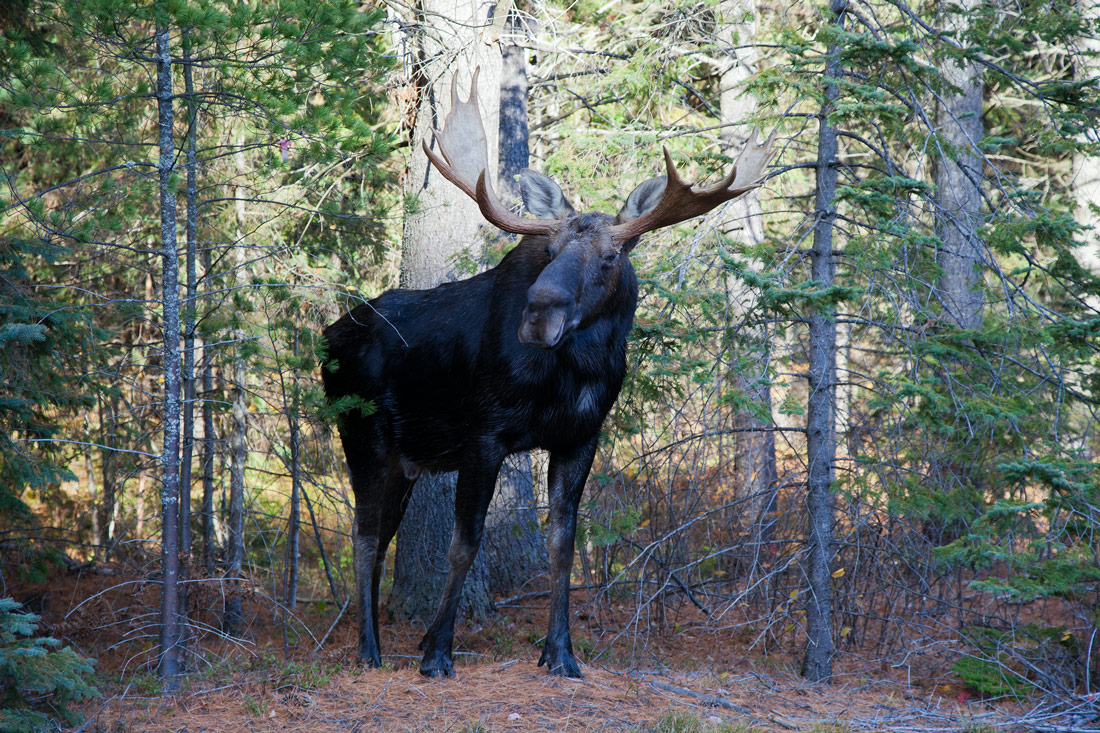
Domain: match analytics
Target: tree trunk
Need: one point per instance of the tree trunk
(108, 505)
(514, 148)
(1086, 168)
(514, 547)
(958, 175)
(446, 223)
(191, 194)
(817, 663)
(169, 662)
(188, 330)
(207, 369)
(754, 451)
(294, 522)
(238, 448)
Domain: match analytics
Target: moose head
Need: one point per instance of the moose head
(585, 252)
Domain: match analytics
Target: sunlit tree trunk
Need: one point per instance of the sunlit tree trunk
(754, 457)
(817, 662)
(958, 175)
(451, 41)
(1086, 174)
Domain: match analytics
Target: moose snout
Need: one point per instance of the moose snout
(545, 316)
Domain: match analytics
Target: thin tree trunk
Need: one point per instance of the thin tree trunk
(754, 452)
(238, 449)
(958, 175)
(451, 40)
(207, 369)
(169, 662)
(189, 311)
(234, 618)
(294, 524)
(89, 469)
(321, 547)
(189, 334)
(817, 663)
(108, 507)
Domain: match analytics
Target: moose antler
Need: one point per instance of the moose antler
(681, 202)
(466, 164)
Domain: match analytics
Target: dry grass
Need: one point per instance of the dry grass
(696, 678)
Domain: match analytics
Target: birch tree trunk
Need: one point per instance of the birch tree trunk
(169, 662)
(958, 175)
(817, 662)
(754, 458)
(454, 38)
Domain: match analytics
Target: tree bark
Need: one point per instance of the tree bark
(169, 661)
(958, 175)
(450, 41)
(191, 245)
(754, 451)
(238, 448)
(817, 662)
(514, 547)
(1086, 168)
(191, 193)
(294, 523)
(207, 461)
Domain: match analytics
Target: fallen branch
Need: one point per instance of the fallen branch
(710, 700)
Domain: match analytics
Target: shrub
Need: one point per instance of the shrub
(39, 679)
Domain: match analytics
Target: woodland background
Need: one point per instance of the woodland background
(860, 420)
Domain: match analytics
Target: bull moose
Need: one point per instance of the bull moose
(529, 354)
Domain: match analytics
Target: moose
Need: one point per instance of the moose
(528, 354)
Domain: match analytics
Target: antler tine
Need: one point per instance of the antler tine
(465, 162)
(681, 202)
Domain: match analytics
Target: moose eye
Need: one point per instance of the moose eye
(610, 259)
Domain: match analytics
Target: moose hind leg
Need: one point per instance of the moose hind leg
(398, 488)
(566, 477)
(372, 495)
(474, 491)
(366, 554)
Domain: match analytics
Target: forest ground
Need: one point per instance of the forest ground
(685, 678)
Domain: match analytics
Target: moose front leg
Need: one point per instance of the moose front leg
(473, 492)
(566, 477)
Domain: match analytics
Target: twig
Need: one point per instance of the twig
(335, 621)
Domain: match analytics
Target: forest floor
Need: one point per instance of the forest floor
(671, 680)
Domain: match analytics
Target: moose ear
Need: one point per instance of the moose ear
(542, 196)
(642, 199)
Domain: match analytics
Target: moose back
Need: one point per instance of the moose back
(530, 354)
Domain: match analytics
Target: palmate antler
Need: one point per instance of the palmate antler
(681, 202)
(462, 142)
(466, 164)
